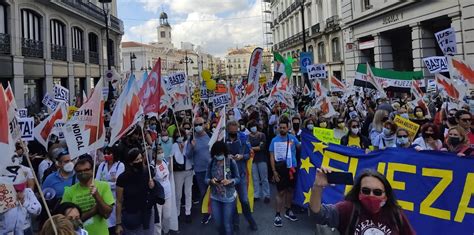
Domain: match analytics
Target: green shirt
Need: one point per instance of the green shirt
(82, 197)
(171, 130)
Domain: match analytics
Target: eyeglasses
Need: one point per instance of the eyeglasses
(198, 124)
(355, 126)
(465, 119)
(402, 136)
(366, 191)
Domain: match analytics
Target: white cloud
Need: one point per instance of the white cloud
(215, 34)
(202, 6)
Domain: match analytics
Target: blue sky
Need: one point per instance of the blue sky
(216, 25)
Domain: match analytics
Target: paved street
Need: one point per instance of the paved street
(263, 214)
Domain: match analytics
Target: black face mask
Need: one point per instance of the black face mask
(233, 135)
(384, 119)
(454, 141)
(137, 166)
(83, 176)
(452, 120)
(296, 126)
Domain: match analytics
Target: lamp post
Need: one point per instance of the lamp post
(132, 62)
(186, 60)
(229, 66)
(106, 16)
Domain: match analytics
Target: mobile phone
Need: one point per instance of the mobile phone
(340, 177)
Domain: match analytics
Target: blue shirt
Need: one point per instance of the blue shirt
(199, 154)
(58, 183)
(293, 143)
(240, 146)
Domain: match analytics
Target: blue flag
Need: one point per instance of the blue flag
(435, 189)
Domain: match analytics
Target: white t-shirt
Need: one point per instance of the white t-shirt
(163, 176)
(421, 142)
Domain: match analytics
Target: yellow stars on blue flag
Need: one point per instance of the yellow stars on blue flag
(307, 196)
(306, 164)
(319, 147)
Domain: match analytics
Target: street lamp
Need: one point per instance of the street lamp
(106, 17)
(186, 60)
(229, 66)
(132, 62)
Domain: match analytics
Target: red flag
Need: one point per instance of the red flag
(4, 129)
(152, 93)
(44, 129)
(452, 89)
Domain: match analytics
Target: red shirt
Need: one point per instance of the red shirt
(470, 137)
(380, 223)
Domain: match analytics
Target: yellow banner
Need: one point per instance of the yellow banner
(326, 135)
(262, 80)
(410, 126)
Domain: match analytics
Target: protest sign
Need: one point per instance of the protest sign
(61, 94)
(410, 126)
(447, 41)
(49, 102)
(326, 135)
(22, 113)
(70, 111)
(220, 89)
(434, 188)
(436, 64)
(220, 100)
(27, 126)
(177, 78)
(262, 80)
(7, 196)
(317, 71)
(204, 94)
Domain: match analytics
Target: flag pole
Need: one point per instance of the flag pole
(27, 151)
(146, 154)
(177, 125)
(94, 162)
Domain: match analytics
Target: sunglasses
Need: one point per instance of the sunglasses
(366, 191)
(402, 136)
(355, 126)
(198, 124)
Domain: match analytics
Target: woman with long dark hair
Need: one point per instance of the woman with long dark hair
(370, 206)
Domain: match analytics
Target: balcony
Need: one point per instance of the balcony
(293, 40)
(93, 57)
(315, 30)
(78, 55)
(31, 48)
(332, 23)
(4, 44)
(92, 11)
(58, 52)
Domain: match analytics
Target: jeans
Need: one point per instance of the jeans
(222, 213)
(244, 201)
(200, 176)
(260, 176)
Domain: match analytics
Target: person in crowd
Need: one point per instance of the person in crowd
(17, 220)
(187, 128)
(387, 138)
(464, 119)
(283, 160)
(428, 139)
(73, 213)
(371, 200)
(419, 116)
(197, 151)
(340, 130)
(369, 118)
(458, 143)
(53, 151)
(183, 173)
(108, 171)
(21, 159)
(384, 104)
(166, 143)
(258, 143)
(323, 123)
(222, 176)
(94, 197)
(62, 224)
(296, 126)
(163, 177)
(354, 138)
(239, 150)
(134, 212)
(448, 121)
(380, 117)
(63, 177)
(403, 139)
(308, 124)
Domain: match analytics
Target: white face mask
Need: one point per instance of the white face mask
(68, 167)
(355, 131)
(165, 138)
(160, 156)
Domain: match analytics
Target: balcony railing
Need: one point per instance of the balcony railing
(58, 52)
(315, 29)
(31, 48)
(293, 40)
(336, 57)
(332, 22)
(93, 57)
(4, 43)
(77, 55)
(93, 11)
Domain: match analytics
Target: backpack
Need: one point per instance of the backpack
(51, 169)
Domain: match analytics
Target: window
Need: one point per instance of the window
(4, 37)
(309, 17)
(33, 92)
(93, 48)
(57, 34)
(367, 5)
(334, 7)
(31, 45)
(3, 19)
(77, 44)
(111, 50)
(321, 52)
(336, 51)
(162, 34)
(310, 48)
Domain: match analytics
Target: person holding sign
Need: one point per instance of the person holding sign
(369, 207)
(222, 176)
(283, 160)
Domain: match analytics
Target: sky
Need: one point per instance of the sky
(215, 25)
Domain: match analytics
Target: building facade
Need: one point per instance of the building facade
(237, 63)
(394, 34)
(45, 42)
(323, 35)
